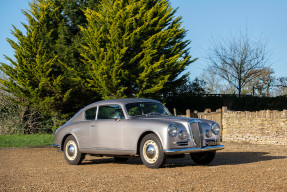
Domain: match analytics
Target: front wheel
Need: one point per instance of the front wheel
(151, 151)
(203, 158)
(71, 151)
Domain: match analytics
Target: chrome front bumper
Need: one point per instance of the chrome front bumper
(193, 150)
(56, 146)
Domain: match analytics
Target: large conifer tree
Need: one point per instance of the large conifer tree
(35, 76)
(43, 72)
(134, 48)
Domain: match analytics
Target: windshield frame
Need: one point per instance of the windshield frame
(166, 111)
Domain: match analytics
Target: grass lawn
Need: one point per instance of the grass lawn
(26, 140)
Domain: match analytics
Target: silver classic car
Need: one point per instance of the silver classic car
(124, 128)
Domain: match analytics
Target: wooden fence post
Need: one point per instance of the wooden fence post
(188, 113)
(207, 111)
(223, 110)
(195, 112)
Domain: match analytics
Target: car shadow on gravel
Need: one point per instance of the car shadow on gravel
(222, 158)
(170, 162)
(134, 161)
(227, 158)
(237, 158)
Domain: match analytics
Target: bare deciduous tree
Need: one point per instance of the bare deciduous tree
(212, 85)
(281, 86)
(238, 60)
(264, 82)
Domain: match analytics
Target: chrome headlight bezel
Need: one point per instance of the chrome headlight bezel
(182, 134)
(215, 128)
(172, 130)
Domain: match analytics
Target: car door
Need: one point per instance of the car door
(106, 130)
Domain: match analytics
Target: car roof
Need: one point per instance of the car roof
(122, 101)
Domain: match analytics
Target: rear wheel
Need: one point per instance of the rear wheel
(151, 151)
(203, 158)
(71, 151)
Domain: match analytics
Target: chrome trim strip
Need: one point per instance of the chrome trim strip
(193, 150)
(104, 149)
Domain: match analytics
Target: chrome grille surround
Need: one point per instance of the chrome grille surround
(196, 132)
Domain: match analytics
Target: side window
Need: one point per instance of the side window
(110, 112)
(90, 114)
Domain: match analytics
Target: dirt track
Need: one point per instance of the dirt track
(236, 168)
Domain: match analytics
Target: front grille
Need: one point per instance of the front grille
(196, 133)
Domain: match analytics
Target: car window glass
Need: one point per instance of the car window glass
(110, 112)
(146, 108)
(90, 114)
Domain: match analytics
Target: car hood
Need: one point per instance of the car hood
(172, 119)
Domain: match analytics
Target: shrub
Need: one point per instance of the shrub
(19, 119)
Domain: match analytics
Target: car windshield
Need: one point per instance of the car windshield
(146, 108)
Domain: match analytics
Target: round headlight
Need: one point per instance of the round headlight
(172, 130)
(215, 128)
(182, 134)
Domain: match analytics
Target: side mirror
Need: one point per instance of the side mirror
(117, 118)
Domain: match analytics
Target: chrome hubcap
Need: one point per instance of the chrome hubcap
(150, 151)
(71, 150)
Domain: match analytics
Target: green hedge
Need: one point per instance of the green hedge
(233, 102)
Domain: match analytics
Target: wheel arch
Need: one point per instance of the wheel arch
(64, 139)
(142, 136)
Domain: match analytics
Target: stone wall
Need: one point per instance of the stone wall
(261, 127)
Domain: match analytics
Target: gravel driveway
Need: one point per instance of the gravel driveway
(239, 167)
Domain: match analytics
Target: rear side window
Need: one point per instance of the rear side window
(90, 114)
